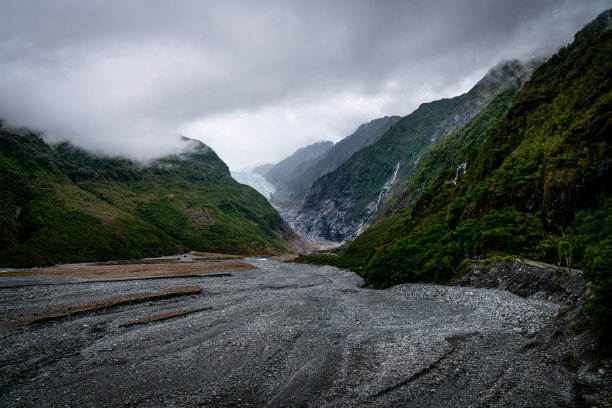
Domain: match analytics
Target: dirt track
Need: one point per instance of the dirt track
(278, 335)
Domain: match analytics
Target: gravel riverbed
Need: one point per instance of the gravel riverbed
(279, 335)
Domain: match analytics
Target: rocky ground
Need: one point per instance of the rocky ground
(283, 335)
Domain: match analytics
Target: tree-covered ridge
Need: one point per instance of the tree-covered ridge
(458, 147)
(62, 204)
(538, 185)
(353, 192)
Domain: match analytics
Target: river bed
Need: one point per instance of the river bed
(282, 334)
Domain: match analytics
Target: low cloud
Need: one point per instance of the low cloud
(254, 80)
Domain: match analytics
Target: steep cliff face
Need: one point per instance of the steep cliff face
(537, 186)
(340, 203)
(293, 176)
(451, 156)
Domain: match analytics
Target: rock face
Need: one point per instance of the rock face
(565, 340)
(528, 279)
(293, 177)
(340, 203)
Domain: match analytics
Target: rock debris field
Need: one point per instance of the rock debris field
(282, 334)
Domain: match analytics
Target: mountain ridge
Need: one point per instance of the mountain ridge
(63, 204)
(341, 202)
(366, 134)
(537, 186)
(281, 173)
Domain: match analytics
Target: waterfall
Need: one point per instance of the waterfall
(387, 186)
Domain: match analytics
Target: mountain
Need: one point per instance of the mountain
(454, 148)
(62, 204)
(340, 203)
(537, 184)
(263, 169)
(365, 135)
(281, 174)
(310, 162)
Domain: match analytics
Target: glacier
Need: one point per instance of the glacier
(257, 181)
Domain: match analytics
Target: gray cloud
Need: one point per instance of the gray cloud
(254, 80)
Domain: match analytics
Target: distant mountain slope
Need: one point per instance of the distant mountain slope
(341, 202)
(364, 136)
(262, 169)
(282, 173)
(443, 156)
(62, 204)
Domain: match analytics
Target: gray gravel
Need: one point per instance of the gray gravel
(280, 335)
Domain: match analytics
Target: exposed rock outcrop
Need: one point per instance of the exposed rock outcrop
(567, 339)
(528, 279)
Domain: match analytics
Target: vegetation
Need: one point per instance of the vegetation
(441, 159)
(61, 204)
(538, 185)
(354, 188)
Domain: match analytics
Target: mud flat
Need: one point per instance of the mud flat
(279, 334)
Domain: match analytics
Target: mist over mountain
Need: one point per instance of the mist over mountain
(253, 81)
(282, 174)
(340, 203)
(62, 204)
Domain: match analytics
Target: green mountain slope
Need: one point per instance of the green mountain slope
(458, 147)
(341, 202)
(538, 185)
(438, 163)
(62, 204)
(365, 135)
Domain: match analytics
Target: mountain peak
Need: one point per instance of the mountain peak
(602, 22)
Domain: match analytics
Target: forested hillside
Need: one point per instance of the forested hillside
(537, 184)
(365, 135)
(62, 204)
(341, 202)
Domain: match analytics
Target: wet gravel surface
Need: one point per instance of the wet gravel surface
(279, 335)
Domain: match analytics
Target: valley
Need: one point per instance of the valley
(282, 335)
(459, 255)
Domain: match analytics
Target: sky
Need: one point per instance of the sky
(254, 80)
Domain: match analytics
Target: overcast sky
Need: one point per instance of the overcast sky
(254, 80)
